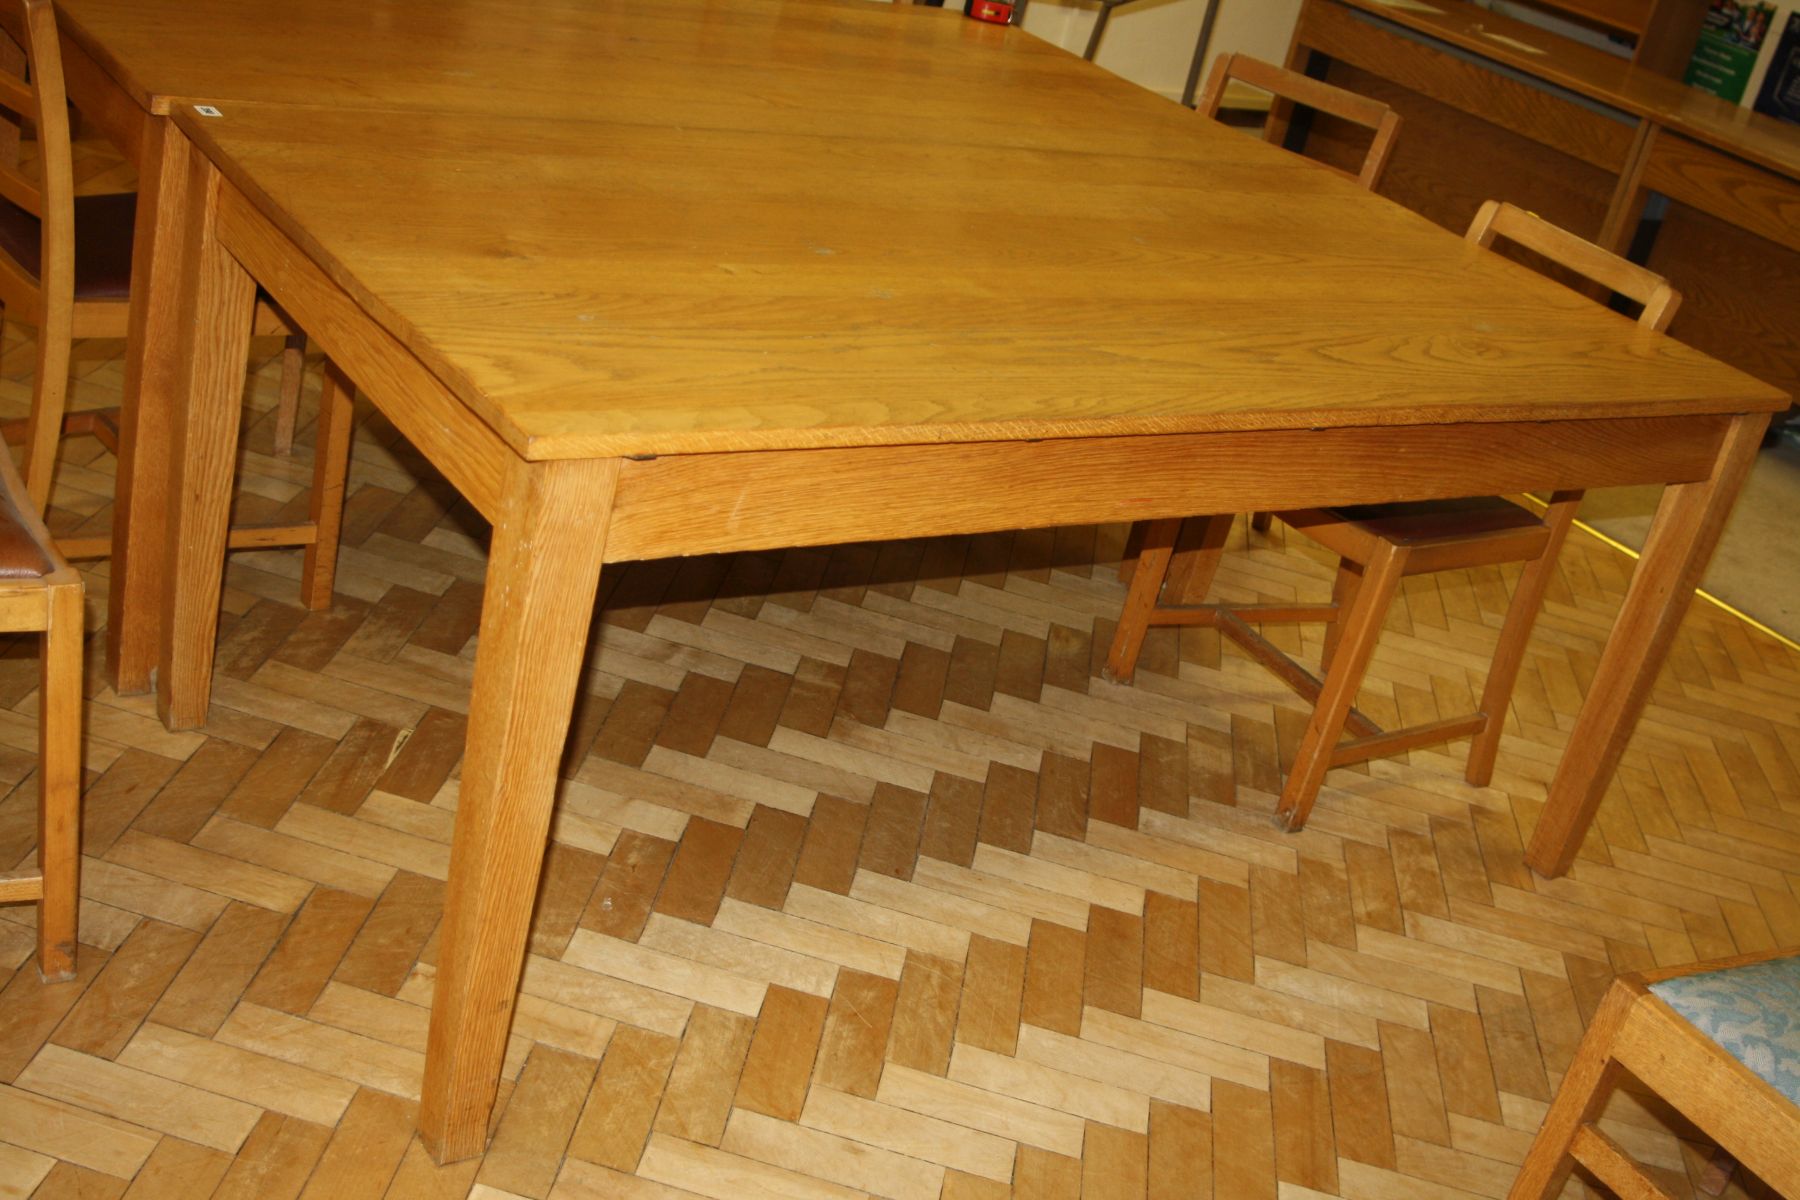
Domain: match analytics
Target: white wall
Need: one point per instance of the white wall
(1151, 42)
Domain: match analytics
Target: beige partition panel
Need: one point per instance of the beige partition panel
(1151, 42)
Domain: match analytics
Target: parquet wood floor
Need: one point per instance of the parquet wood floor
(863, 882)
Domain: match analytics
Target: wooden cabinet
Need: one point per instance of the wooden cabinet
(1497, 108)
(1662, 32)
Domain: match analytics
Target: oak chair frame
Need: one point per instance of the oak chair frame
(50, 604)
(1179, 560)
(1635, 1031)
(31, 88)
(1291, 87)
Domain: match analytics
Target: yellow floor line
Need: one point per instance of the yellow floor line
(1622, 548)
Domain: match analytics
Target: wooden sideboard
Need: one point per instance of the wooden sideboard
(1497, 108)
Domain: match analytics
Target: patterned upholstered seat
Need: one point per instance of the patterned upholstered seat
(1751, 1012)
(1718, 1041)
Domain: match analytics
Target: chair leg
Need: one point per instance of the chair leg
(1198, 548)
(1146, 583)
(331, 466)
(1361, 627)
(287, 407)
(59, 783)
(1584, 1092)
(1134, 545)
(1177, 557)
(1343, 595)
(50, 397)
(1515, 632)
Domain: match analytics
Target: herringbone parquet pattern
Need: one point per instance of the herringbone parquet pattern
(863, 882)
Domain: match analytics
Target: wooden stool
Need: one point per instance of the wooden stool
(40, 592)
(1718, 1041)
(1378, 546)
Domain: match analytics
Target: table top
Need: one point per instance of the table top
(480, 55)
(571, 55)
(1052, 253)
(1600, 76)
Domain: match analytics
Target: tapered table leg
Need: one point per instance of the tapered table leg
(153, 379)
(219, 299)
(1687, 527)
(543, 571)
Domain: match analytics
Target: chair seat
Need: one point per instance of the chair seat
(1750, 1012)
(103, 227)
(22, 554)
(1427, 521)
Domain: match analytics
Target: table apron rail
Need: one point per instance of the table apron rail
(465, 448)
(708, 503)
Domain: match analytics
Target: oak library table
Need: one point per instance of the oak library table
(707, 277)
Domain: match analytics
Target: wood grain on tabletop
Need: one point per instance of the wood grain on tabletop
(477, 56)
(737, 291)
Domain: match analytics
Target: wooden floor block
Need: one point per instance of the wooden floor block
(780, 1060)
(540, 1115)
(704, 1076)
(857, 1027)
(623, 1100)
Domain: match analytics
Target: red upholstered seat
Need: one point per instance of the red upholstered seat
(102, 243)
(22, 554)
(22, 538)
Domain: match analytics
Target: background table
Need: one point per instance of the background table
(628, 337)
(125, 61)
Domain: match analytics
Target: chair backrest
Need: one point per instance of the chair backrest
(31, 91)
(1316, 94)
(1497, 219)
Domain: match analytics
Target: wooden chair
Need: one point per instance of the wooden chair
(65, 267)
(40, 592)
(1718, 1041)
(1378, 546)
(1291, 87)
